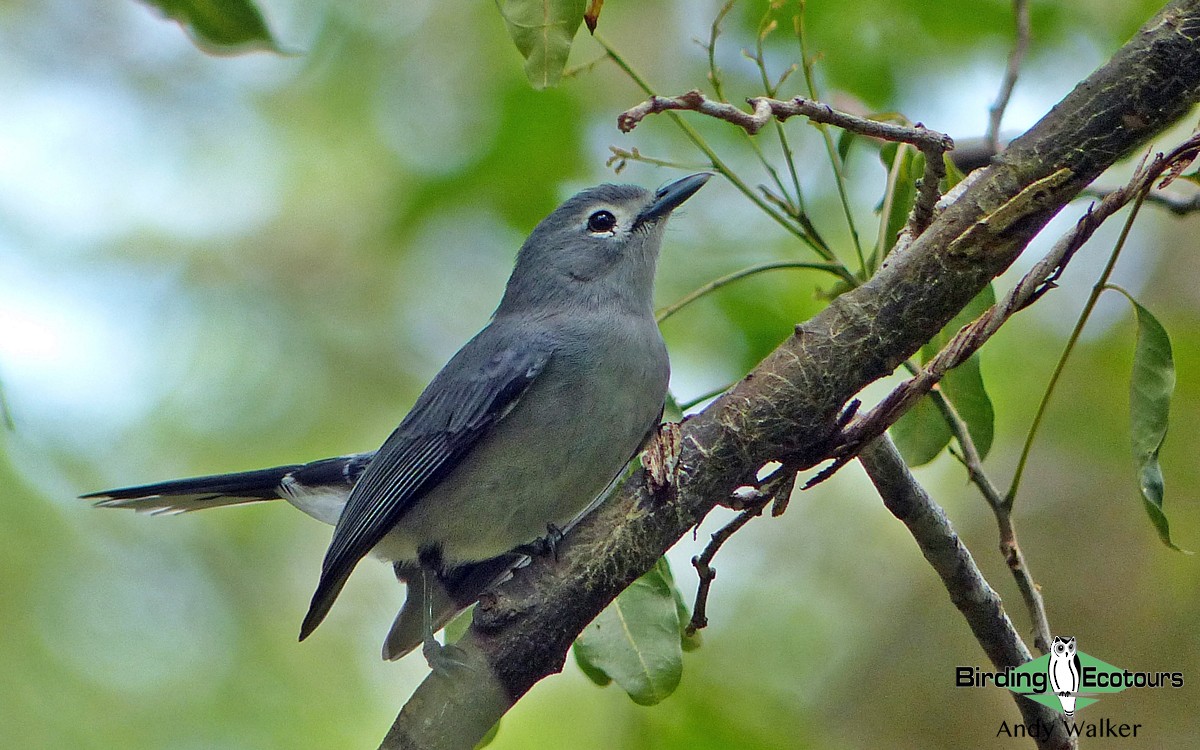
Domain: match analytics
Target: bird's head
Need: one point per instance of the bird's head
(601, 244)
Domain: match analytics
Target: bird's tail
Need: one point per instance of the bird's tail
(451, 593)
(198, 493)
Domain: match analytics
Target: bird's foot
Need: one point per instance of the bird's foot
(443, 658)
(547, 545)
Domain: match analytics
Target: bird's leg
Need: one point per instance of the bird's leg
(430, 646)
(440, 658)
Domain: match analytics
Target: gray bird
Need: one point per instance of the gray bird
(516, 436)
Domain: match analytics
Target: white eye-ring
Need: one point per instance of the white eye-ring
(602, 222)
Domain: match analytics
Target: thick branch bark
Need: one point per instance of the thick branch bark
(789, 404)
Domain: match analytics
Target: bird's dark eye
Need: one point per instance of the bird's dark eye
(601, 221)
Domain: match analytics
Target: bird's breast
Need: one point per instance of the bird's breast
(560, 446)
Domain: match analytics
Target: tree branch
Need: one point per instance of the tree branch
(1009, 547)
(1015, 57)
(789, 405)
(1033, 284)
(970, 592)
(931, 143)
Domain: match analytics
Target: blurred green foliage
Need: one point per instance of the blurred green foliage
(220, 26)
(215, 264)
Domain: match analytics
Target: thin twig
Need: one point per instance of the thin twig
(835, 159)
(620, 156)
(1177, 205)
(718, 164)
(695, 400)
(928, 187)
(714, 73)
(707, 573)
(583, 68)
(1015, 57)
(764, 109)
(715, 284)
(778, 488)
(931, 143)
(760, 61)
(794, 210)
(1010, 549)
(885, 210)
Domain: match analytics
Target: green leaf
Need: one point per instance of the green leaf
(689, 642)
(543, 31)
(904, 166)
(457, 628)
(922, 432)
(635, 641)
(1150, 388)
(963, 387)
(220, 27)
(593, 673)
(489, 737)
(844, 141)
(672, 412)
(953, 176)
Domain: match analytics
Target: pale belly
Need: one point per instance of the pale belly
(565, 441)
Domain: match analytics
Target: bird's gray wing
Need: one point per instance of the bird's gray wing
(476, 389)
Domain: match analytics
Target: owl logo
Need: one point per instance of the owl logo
(1063, 671)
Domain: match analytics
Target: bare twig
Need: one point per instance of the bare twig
(1177, 205)
(717, 163)
(968, 589)
(1009, 547)
(778, 488)
(931, 143)
(1015, 56)
(706, 573)
(765, 109)
(928, 187)
(620, 156)
(715, 284)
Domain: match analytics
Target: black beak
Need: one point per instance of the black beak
(668, 198)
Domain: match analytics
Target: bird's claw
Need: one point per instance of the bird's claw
(543, 546)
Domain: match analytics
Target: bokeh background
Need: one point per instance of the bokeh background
(211, 264)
